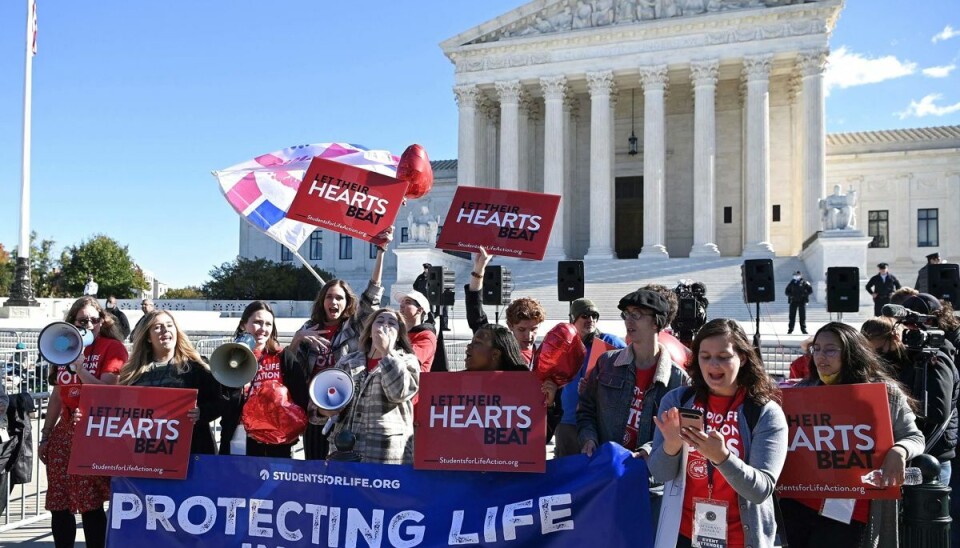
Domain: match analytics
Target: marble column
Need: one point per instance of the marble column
(600, 85)
(813, 171)
(756, 73)
(654, 80)
(554, 92)
(509, 93)
(467, 145)
(704, 77)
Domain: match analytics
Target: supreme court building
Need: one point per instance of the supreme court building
(677, 128)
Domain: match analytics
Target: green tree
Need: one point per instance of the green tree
(108, 262)
(189, 292)
(7, 268)
(262, 279)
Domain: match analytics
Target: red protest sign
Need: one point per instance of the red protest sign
(347, 199)
(505, 222)
(837, 434)
(597, 348)
(480, 421)
(133, 431)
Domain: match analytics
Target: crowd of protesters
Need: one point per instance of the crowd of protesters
(637, 395)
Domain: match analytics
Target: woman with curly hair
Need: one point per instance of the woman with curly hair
(163, 356)
(734, 461)
(841, 355)
(386, 374)
(68, 494)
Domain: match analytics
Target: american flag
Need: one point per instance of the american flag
(32, 35)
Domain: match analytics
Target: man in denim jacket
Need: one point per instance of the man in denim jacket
(622, 393)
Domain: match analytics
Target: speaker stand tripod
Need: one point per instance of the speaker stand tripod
(756, 333)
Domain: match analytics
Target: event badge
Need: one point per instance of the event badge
(709, 523)
(838, 509)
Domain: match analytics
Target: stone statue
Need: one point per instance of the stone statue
(562, 20)
(694, 7)
(626, 13)
(837, 210)
(668, 8)
(423, 227)
(647, 9)
(582, 18)
(603, 13)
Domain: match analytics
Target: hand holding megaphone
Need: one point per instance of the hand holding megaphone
(62, 343)
(331, 390)
(233, 364)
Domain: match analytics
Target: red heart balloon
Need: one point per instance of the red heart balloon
(561, 355)
(415, 170)
(679, 353)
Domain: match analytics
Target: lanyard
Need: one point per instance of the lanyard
(710, 466)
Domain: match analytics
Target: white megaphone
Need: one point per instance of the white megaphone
(233, 364)
(61, 343)
(331, 390)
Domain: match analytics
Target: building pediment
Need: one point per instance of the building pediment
(544, 17)
(545, 31)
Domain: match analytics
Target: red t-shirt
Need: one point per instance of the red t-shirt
(722, 414)
(372, 363)
(424, 345)
(527, 356)
(643, 381)
(326, 357)
(105, 355)
(269, 368)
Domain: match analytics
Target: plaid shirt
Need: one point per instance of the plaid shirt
(381, 413)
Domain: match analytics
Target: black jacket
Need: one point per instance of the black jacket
(881, 288)
(935, 405)
(123, 324)
(798, 291)
(16, 456)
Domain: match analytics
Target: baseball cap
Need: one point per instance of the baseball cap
(421, 299)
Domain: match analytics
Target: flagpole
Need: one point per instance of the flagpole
(21, 294)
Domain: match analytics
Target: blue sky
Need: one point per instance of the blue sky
(134, 103)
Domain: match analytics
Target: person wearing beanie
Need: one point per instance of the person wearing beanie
(798, 293)
(620, 408)
(881, 286)
(584, 315)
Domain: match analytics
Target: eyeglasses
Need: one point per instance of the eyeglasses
(85, 321)
(635, 316)
(831, 352)
(589, 315)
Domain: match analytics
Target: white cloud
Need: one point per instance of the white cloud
(926, 107)
(846, 69)
(939, 72)
(946, 34)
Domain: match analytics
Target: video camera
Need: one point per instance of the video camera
(920, 335)
(692, 306)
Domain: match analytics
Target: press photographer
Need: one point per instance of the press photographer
(691, 310)
(909, 338)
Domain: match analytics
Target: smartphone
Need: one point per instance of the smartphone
(691, 417)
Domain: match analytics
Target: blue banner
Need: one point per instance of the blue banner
(253, 502)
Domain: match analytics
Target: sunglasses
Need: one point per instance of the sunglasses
(588, 315)
(85, 321)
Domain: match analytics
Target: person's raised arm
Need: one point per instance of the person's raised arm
(376, 277)
(480, 261)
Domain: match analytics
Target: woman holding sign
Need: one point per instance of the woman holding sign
(67, 493)
(720, 446)
(386, 374)
(273, 364)
(841, 355)
(163, 356)
(332, 332)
